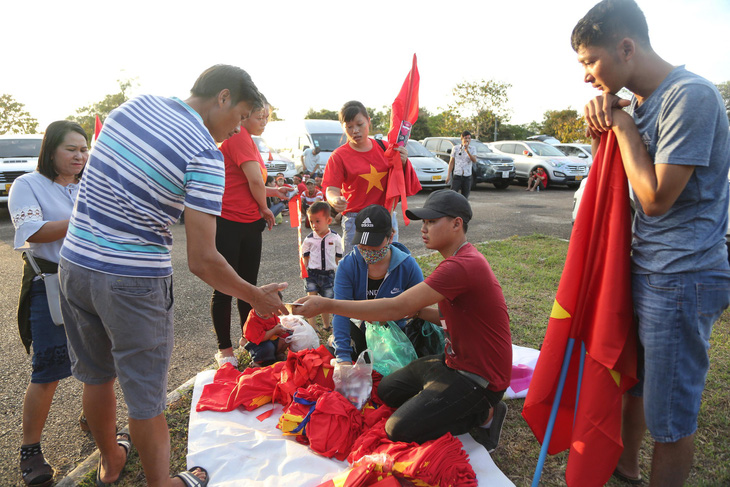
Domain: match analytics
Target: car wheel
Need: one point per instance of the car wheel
(501, 184)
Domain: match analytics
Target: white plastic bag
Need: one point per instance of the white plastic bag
(355, 382)
(303, 336)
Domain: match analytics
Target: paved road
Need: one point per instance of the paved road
(498, 214)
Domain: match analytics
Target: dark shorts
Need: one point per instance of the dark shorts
(119, 327)
(320, 282)
(50, 352)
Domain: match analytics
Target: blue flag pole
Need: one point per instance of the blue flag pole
(580, 378)
(553, 413)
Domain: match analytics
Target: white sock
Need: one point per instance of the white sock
(487, 425)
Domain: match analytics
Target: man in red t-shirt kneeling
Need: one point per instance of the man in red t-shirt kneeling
(460, 390)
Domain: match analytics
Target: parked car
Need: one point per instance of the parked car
(430, 169)
(582, 151)
(275, 162)
(18, 156)
(529, 155)
(548, 139)
(490, 167)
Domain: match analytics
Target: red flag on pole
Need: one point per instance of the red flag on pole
(593, 305)
(97, 128)
(403, 115)
(295, 211)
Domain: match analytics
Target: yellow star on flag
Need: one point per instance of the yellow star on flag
(374, 179)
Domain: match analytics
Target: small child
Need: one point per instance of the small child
(321, 251)
(264, 343)
(310, 197)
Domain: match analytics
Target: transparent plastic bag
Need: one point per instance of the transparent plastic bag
(355, 382)
(391, 348)
(303, 336)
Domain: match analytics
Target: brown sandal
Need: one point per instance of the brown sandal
(36, 471)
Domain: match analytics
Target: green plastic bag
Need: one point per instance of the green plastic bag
(389, 346)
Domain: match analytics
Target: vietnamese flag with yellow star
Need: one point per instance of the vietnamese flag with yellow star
(593, 305)
(403, 114)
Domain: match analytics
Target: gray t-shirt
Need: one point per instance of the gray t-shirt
(684, 122)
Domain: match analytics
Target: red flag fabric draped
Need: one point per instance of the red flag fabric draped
(593, 305)
(403, 115)
(295, 211)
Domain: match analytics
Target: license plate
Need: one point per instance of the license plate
(578, 178)
(7, 187)
(436, 178)
(505, 174)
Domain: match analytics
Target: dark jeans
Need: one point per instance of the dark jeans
(461, 184)
(240, 243)
(432, 400)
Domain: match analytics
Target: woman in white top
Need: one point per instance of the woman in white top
(40, 205)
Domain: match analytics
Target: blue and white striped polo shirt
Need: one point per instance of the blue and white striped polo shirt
(153, 156)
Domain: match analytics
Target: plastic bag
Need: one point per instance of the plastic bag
(391, 349)
(303, 336)
(427, 338)
(355, 382)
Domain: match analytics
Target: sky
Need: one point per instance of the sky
(61, 56)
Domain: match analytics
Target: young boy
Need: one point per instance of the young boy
(461, 389)
(263, 335)
(321, 251)
(675, 147)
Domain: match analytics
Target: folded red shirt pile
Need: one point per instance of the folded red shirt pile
(440, 462)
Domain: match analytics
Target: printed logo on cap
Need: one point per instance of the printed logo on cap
(367, 223)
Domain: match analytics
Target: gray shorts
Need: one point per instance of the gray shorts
(119, 327)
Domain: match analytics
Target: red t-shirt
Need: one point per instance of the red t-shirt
(362, 176)
(255, 328)
(238, 202)
(301, 187)
(478, 337)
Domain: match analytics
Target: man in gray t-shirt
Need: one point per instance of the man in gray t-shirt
(675, 148)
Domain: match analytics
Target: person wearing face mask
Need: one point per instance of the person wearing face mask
(376, 268)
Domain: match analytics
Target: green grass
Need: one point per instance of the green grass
(529, 270)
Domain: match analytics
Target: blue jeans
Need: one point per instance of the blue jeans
(50, 351)
(320, 282)
(676, 313)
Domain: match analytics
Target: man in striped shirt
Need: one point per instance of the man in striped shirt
(154, 157)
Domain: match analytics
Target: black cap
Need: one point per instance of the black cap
(442, 203)
(372, 226)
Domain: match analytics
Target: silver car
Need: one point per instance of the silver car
(583, 152)
(529, 155)
(430, 169)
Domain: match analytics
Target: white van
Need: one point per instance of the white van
(291, 138)
(18, 156)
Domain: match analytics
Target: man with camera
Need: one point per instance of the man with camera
(460, 164)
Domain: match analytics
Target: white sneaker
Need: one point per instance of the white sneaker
(225, 360)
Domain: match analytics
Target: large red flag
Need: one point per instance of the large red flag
(403, 115)
(593, 305)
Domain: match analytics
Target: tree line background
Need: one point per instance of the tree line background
(476, 106)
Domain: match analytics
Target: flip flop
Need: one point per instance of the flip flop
(625, 478)
(190, 480)
(125, 441)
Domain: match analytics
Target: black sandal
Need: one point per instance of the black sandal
(125, 441)
(36, 471)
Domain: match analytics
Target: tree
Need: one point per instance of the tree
(565, 125)
(446, 124)
(86, 116)
(725, 92)
(14, 119)
(421, 129)
(517, 132)
(322, 114)
(480, 103)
